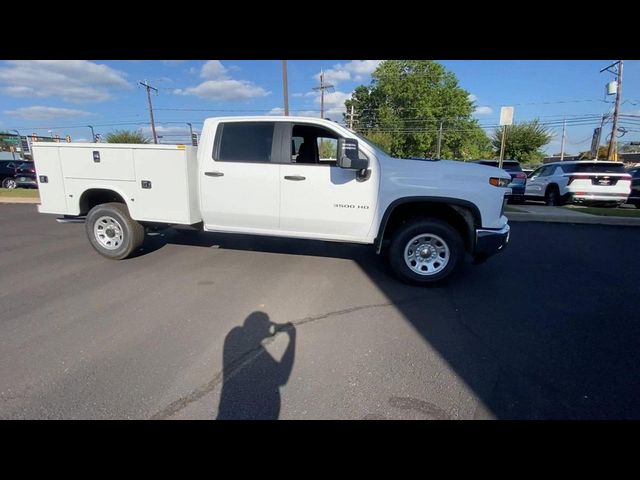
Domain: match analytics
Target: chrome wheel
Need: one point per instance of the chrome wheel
(108, 232)
(9, 183)
(426, 254)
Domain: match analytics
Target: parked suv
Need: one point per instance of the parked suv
(634, 197)
(25, 176)
(518, 177)
(7, 171)
(588, 182)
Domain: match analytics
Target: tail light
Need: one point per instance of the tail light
(577, 177)
(521, 175)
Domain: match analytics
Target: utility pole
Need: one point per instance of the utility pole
(285, 88)
(439, 140)
(351, 117)
(604, 116)
(611, 153)
(564, 130)
(323, 86)
(153, 125)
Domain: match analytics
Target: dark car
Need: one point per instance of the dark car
(518, 177)
(634, 197)
(7, 172)
(25, 176)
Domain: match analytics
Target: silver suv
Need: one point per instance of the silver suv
(593, 182)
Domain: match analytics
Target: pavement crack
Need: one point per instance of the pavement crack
(251, 355)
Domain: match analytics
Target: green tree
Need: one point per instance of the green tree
(403, 106)
(125, 136)
(523, 142)
(328, 149)
(603, 150)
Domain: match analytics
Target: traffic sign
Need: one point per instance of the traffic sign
(506, 116)
(11, 139)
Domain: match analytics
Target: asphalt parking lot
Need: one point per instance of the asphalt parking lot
(548, 329)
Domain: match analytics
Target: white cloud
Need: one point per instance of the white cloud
(472, 97)
(354, 70)
(218, 85)
(224, 90)
(46, 113)
(483, 110)
(71, 80)
(333, 104)
(213, 69)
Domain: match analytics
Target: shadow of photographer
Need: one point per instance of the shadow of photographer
(251, 376)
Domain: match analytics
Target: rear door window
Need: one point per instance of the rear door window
(250, 142)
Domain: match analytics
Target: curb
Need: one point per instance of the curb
(19, 200)
(588, 219)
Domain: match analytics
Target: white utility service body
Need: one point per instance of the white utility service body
(279, 194)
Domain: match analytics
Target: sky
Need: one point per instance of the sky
(65, 96)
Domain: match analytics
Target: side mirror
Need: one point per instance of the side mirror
(348, 157)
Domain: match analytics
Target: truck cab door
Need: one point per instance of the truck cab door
(239, 181)
(318, 199)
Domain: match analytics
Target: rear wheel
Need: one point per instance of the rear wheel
(112, 232)
(425, 251)
(9, 183)
(552, 196)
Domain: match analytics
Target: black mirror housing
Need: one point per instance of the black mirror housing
(348, 157)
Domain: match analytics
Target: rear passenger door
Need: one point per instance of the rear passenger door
(240, 182)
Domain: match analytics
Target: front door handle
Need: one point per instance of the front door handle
(295, 178)
(214, 174)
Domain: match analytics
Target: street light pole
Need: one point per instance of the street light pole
(93, 135)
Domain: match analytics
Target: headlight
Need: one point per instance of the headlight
(500, 182)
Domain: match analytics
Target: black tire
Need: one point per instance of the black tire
(552, 196)
(9, 183)
(424, 226)
(132, 232)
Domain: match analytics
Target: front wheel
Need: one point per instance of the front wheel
(112, 232)
(425, 251)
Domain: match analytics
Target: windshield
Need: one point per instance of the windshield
(508, 166)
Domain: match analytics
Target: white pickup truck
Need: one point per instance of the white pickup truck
(287, 176)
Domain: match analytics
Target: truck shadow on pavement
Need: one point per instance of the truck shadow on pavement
(546, 330)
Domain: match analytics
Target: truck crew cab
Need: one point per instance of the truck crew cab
(284, 176)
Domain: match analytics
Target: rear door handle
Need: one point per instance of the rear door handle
(295, 178)
(214, 174)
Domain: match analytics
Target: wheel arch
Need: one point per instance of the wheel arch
(463, 215)
(96, 196)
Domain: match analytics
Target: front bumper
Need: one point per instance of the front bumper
(490, 241)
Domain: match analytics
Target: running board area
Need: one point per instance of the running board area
(67, 219)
